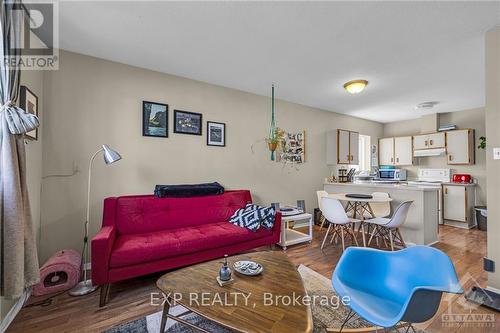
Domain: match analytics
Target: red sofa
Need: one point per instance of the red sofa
(144, 234)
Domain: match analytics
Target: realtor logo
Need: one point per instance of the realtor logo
(37, 44)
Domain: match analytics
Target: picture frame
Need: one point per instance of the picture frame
(186, 122)
(216, 134)
(154, 119)
(28, 101)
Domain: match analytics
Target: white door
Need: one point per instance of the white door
(386, 151)
(454, 203)
(403, 152)
(354, 147)
(343, 147)
(458, 147)
(421, 142)
(436, 140)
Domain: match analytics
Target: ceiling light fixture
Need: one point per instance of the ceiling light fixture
(355, 86)
(426, 105)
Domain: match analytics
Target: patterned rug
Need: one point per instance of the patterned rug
(314, 283)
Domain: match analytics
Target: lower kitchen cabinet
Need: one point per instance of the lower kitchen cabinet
(458, 205)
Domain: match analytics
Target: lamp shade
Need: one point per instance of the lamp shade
(110, 155)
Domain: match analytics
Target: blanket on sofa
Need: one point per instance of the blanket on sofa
(253, 217)
(186, 191)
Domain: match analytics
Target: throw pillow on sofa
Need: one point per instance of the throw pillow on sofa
(253, 217)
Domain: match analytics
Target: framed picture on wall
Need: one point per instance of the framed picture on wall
(28, 101)
(154, 119)
(216, 134)
(187, 122)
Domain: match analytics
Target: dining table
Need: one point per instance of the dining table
(359, 206)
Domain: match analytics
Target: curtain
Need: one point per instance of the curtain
(19, 260)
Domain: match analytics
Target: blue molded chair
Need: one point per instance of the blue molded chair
(386, 288)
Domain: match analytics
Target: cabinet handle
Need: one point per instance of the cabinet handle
(397, 159)
(426, 142)
(348, 157)
(445, 190)
(450, 157)
(392, 159)
(431, 142)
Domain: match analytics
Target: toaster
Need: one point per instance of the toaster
(462, 178)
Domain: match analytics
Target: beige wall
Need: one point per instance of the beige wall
(493, 140)
(33, 80)
(90, 101)
(474, 118)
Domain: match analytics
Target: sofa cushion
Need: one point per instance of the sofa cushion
(143, 214)
(139, 248)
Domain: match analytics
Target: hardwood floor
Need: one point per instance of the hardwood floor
(130, 300)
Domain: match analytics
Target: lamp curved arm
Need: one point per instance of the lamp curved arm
(88, 188)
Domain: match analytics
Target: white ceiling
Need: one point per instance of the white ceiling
(410, 52)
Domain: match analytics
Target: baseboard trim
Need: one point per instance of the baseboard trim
(14, 310)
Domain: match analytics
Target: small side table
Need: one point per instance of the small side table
(291, 236)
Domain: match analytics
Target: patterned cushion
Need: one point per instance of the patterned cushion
(253, 216)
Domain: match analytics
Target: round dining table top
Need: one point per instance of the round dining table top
(342, 197)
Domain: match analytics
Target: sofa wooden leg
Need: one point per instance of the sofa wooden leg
(104, 294)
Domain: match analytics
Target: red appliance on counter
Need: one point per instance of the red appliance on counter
(462, 178)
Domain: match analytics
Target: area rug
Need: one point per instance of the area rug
(314, 283)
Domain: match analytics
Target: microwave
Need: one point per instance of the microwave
(392, 174)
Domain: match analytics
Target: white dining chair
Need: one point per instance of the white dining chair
(379, 209)
(320, 195)
(388, 228)
(338, 220)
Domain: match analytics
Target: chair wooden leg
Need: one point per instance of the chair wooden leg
(322, 219)
(353, 235)
(363, 233)
(375, 227)
(342, 233)
(390, 238)
(401, 238)
(103, 299)
(326, 235)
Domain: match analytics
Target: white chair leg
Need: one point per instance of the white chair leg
(326, 235)
(400, 238)
(375, 227)
(390, 238)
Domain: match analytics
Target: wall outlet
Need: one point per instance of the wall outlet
(496, 153)
(488, 265)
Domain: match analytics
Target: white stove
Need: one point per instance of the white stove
(433, 178)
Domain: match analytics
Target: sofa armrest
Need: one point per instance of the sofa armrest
(277, 227)
(102, 244)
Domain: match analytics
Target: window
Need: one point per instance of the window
(364, 152)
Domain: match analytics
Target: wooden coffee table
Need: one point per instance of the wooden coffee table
(246, 303)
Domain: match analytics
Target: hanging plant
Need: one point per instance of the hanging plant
(482, 143)
(272, 140)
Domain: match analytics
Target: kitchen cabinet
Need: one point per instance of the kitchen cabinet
(396, 151)
(429, 141)
(460, 146)
(386, 151)
(354, 147)
(403, 153)
(458, 205)
(342, 147)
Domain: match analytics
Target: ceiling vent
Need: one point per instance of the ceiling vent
(426, 105)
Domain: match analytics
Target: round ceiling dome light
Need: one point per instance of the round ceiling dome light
(426, 105)
(355, 86)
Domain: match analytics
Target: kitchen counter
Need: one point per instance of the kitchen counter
(460, 184)
(421, 226)
(380, 185)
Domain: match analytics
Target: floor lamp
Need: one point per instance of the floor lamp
(85, 287)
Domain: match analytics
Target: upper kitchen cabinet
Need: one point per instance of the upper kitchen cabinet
(460, 146)
(342, 147)
(386, 151)
(403, 152)
(395, 151)
(429, 141)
